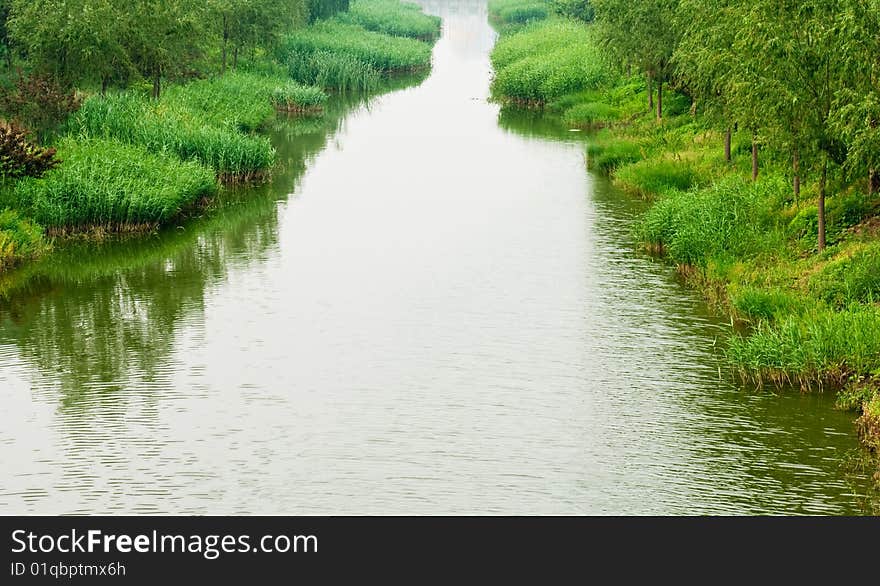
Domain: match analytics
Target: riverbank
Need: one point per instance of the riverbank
(802, 317)
(125, 162)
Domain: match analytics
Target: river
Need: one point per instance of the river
(433, 308)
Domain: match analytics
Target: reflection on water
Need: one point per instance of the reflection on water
(433, 308)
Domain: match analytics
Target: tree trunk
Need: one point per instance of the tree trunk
(235, 57)
(873, 181)
(105, 81)
(796, 168)
(754, 158)
(157, 82)
(225, 40)
(727, 136)
(822, 182)
(650, 93)
(660, 100)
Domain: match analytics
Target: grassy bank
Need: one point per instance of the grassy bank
(355, 50)
(130, 162)
(803, 318)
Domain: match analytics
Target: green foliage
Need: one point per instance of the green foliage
(20, 239)
(547, 60)
(110, 184)
(727, 218)
(383, 52)
(251, 24)
(166, 127)
(578, 9)
(853, 397)
(842, 212)
(399, 19)
(853, 278)
(76, 41)
(658, 176)
(341, 72)
(518, 11)
(324, 9)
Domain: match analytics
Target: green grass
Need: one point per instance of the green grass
(726, 218)
(823, 347)
(341, 72)
(384, 53)
(608, 155)
(591, 115)
(165, 127)
(854, 278)
(658, 176)
(235, 100)
(518, 11)
(109, 184)
(399, 19)
(296, 97)
(20, 239)
(547, 60)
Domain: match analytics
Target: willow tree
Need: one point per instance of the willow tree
(642, 33)
(248, 24)
(857, 104)
(704, 62)
(74, 41)
(169, 36)
(796, 71)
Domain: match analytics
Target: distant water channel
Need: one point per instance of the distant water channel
(433, 308)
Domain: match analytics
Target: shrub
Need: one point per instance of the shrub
(38, 103)
(110, 184)
(21, 158)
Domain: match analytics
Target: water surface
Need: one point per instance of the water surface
(433, 308)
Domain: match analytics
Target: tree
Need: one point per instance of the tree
(795, 71)
(74, 41)
(856, 116)
(169, 37)
(244, 24)
(642, 33)
(704, 63)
